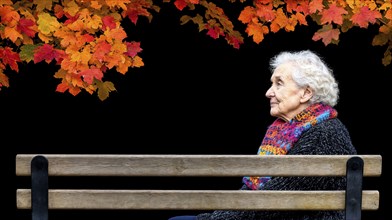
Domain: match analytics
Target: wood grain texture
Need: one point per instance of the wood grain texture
(198, 165)
(198, 199)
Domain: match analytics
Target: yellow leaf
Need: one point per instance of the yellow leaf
(43, 4)
(117, 3)
(104, 88)
(79, 57)
(95, 22)
(72, 8)
(119, 48)
(351, 3)
(44, 38)
(385, 6)
(47, 24)
(5, 2)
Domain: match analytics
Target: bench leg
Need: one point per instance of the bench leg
(354, 174)
(39, 188)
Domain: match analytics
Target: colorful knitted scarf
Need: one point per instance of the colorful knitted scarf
(282, 135)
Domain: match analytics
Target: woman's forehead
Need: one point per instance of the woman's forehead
(282, 72)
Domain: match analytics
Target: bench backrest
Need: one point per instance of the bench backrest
(353, 199)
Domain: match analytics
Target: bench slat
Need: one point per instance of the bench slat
(197, 199)
(198, 165)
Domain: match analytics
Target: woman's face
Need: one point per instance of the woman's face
(287, 99)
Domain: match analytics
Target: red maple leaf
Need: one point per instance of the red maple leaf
(71, 19)
(235, 41)
(135, 9)
(10, 57)
(214, 32)
(24, 27)
(133, 48)
(180, 4)
(48, 53)
(108, 22)
(365, 16)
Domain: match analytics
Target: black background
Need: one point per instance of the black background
(195, 95)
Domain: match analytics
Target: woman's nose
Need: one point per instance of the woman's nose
(269, 92)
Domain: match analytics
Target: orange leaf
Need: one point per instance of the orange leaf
(333, 14)
(117, 34)
(266, 12)
(327, 35)
(137, 62)
(123, 66)
(388, 14)
(291, 23)
(3, 79)
(301, 18)
(12, 34)
(316, 5)
(89, 75)
(280, 21)
(365, 16)
(247, 14)
(257, 31)
(9, 16)
(6, 2)
(101, 49)
(62, 87)
(74, 90)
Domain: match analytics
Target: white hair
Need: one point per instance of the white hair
(308, 69)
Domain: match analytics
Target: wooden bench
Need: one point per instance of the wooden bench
(40, 199)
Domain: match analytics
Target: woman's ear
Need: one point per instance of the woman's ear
(307, 94)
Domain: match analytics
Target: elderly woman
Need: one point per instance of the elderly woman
(302, 96)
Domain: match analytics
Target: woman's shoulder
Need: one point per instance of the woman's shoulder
(328, 137)
(331, 126)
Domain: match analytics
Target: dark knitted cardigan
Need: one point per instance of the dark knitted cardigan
(328, 137)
